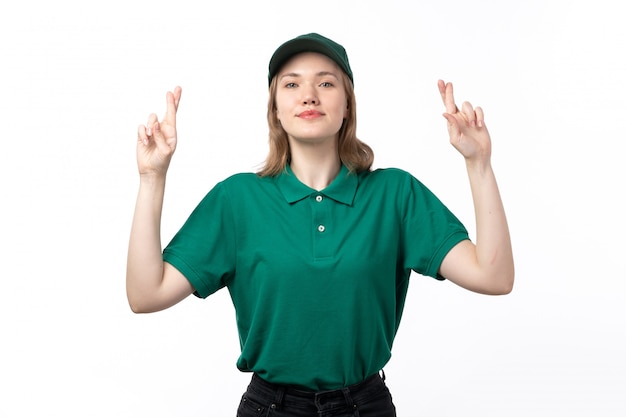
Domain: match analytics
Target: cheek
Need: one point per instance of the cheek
(279, 107)
(278, 110)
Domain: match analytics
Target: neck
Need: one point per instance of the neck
(315, 166)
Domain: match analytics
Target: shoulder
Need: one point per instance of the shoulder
(389, 177)
(395, 182)
(235, 184)
(390, 173)
(243, 180)
(246, 187)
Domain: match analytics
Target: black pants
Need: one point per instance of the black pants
(369, 398)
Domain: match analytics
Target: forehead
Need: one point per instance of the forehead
(309, 61)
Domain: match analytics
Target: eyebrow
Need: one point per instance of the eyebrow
(319, 74)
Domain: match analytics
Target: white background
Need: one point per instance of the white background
(79, 77)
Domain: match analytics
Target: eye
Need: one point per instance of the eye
(326, 84)
(290, 85)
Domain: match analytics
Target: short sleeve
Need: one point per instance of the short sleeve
(204, 249)
(430, 229)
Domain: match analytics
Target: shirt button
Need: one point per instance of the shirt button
(321, 228)
(319, 198)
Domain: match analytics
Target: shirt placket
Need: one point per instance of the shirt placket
(322, 227)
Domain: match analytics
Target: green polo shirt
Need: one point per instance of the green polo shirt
(318, 278)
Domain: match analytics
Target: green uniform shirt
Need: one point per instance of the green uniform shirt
(318, 278)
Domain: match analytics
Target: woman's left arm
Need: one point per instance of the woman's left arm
(487, 266)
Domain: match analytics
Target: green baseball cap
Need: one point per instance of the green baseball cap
(311, 42)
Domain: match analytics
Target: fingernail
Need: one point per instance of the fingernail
(149, 132)
(480, 123)
(157, 127)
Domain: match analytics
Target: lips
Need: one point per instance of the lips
(309, 114)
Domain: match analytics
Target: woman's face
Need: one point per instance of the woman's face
(311, 101)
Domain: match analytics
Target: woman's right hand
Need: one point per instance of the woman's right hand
(156, 141)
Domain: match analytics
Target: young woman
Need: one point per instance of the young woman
(316, 249)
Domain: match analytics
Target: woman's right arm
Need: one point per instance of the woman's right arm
(151, 284)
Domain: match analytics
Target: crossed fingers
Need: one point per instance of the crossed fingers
(472, 117)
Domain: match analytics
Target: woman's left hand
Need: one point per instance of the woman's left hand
(466, 127)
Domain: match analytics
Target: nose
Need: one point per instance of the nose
(309, 96)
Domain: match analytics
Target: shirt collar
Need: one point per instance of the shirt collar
(341, 189)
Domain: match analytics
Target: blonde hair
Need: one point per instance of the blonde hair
(357, 156)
